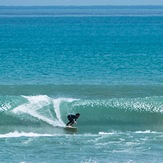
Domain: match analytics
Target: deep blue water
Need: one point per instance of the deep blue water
(81, 50)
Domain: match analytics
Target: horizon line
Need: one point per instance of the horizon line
(79, 5)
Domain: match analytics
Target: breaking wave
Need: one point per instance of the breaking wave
(44, 114)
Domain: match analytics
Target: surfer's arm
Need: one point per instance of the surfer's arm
(74, 120)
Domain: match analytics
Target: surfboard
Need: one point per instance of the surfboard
(70, 128)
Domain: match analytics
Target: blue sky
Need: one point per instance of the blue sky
(78, 2)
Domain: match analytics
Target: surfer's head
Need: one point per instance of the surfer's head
(77, 114)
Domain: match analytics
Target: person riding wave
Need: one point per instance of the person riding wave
(72, 119)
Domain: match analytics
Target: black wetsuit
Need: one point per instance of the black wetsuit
(72, 118)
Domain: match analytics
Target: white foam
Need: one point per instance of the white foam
(35, 103)
(56, 104)
(145, 132)
(23, 134)
(106, 133)
(137, 132)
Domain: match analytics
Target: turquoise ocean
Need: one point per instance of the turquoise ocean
(105, 62)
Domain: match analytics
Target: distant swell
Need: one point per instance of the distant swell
(42, 112)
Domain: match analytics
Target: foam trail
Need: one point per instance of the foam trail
(35, 103)
(56, 104)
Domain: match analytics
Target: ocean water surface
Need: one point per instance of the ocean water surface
(105, 62)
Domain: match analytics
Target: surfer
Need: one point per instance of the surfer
(72, 119)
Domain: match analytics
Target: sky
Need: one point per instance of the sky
(77, 2)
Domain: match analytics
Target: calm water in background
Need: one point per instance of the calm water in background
(104, 62)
